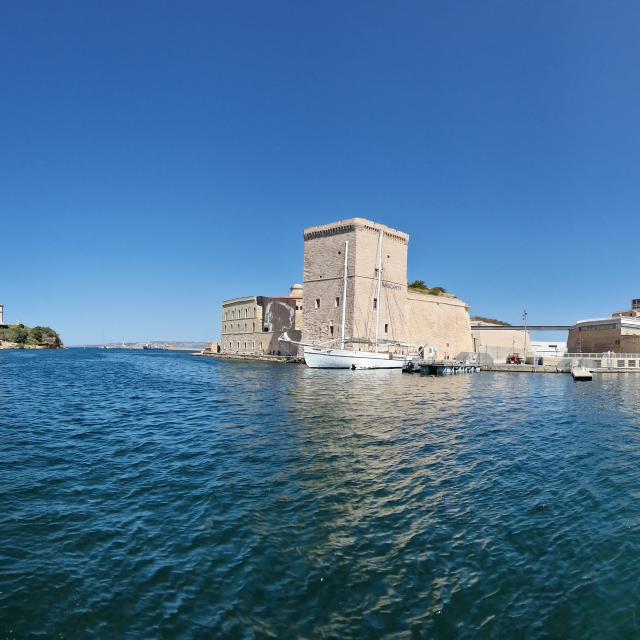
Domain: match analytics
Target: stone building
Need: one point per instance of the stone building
(620, 333)
(253, 324)
(408, 318)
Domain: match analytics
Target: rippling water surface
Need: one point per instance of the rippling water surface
(160, 495)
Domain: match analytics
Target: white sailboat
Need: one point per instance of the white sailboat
(319, 357)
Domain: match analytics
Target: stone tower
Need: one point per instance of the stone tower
(324, 250)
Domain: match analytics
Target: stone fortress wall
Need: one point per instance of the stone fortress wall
(441, 322)
(324, 251)
(409, 317)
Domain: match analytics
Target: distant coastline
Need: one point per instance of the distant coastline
(161, 345)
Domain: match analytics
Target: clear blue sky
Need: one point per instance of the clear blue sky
(159, 157)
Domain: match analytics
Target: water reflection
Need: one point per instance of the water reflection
(158, 491)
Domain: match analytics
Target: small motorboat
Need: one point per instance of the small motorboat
(581, 373)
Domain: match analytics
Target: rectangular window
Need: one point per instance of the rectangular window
(331, 329)
(632, 363)
(375, 303)
(386, 328)
(597, 363)
(337, 301)
(317, 303)
(620, 364)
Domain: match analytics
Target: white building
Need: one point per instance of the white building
(550, 349)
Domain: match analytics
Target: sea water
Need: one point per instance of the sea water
(151, 494)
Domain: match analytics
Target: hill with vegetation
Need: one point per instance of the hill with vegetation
(18, 336)
(491, 321)
(422, 287)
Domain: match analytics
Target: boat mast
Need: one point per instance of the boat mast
(344, 295)
(378, 288)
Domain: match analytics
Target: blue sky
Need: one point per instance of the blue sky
(159, 157)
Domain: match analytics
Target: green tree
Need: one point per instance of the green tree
(418, 284)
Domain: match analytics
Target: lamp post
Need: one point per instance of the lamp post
(524, 317)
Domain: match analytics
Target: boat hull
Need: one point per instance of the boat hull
(347, 359)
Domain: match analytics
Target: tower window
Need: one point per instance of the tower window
(331, 329)
(386, 328)
(375, 303)
(337, 301)
(317, 303)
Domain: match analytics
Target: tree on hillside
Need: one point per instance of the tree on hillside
(421, 285)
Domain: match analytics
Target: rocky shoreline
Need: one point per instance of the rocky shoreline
(5, 345)
(19, 336)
